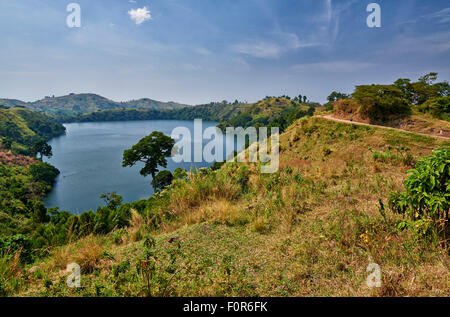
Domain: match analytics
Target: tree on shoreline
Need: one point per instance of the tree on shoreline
(153, 151)
(43, 148)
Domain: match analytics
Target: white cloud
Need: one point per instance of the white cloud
(140, 15)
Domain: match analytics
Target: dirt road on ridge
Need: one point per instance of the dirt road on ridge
(329, 117)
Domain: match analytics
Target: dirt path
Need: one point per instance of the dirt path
(330, 117)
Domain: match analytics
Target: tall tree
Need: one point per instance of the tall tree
(7, 143)
(335, 96)
(43, 148)
(153, 151)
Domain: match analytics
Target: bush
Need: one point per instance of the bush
(427, 195)
(44, 172)
(162, 180)
(346, 106)
(438, 107)
(381, 102)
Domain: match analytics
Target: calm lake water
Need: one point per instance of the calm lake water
(89, 157)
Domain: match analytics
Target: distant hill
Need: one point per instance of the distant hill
(146, 103)
(9, 103)
(23, 127)
(78, 104)
(271, 111)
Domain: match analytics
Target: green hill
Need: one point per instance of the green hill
(23, 127)
(9, 103)
(79, 104)
(271, 111)
(146, 103)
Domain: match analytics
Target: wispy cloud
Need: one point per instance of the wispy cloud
(427, 45)
(335, 66)
(259, 49)
(280, 44)
(442, 16)
(140, 15)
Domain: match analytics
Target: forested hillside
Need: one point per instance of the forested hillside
(79, 104)
(24, 180)
(20, 128)
(271, 111)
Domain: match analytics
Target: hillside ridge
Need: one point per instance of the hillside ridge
(332, 118)
(84, 103)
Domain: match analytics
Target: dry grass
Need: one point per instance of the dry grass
(10, 159)
(88, 254)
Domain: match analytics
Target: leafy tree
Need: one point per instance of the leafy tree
(162, 180)
(43, 148)
(424, 89)
(179, 173)
(438, 107)
(335, 96)
(112, 200)
(428, 79)
(404, 84)
(380, 102)
(7, 143)
(40, 213)
(11, 130)
(44, 172)
(152, 150)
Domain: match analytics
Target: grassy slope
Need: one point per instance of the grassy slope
(311, 231)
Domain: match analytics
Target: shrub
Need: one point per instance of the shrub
(438, 107)
(346, 106)
(44, 172)
(162, 180)
(427, 195)
(381, 102)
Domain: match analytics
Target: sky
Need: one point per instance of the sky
(198, 51)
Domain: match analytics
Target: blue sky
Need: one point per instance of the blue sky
(197, 51)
